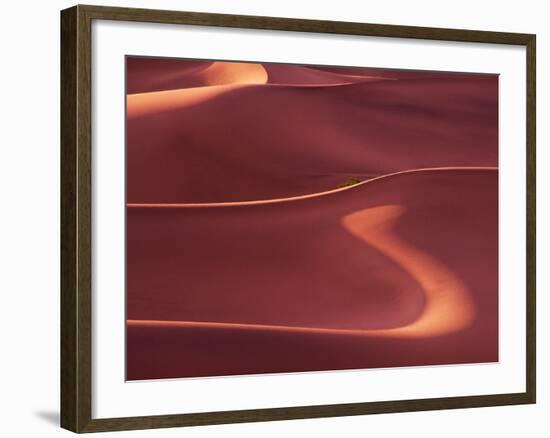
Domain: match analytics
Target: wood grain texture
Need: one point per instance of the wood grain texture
(76, 224)
(531, 309)
(69, 324)
(300, 25)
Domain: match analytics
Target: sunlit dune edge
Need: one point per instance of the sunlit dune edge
(448, 305)
(380, 276)
(151, 102)
(154, 75)
(288, 218)
(308, 196)
(275, 141)
(158, 74)
(156, 101)
(247, 326)
(234, 73)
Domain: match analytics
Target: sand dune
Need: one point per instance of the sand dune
(388, 73)
(287, 140)
(448, 306)
(145, 105)
(376, 260)
(246, 255)
(308, 76)
(161, 74)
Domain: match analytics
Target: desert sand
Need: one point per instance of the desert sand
(272, 141)
(309, 272)
(244, 253)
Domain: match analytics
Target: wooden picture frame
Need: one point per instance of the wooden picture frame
(76, 218)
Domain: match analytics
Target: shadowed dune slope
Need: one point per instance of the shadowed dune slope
(304, 75)
(387, 73)
(146, 75)
(244, 142)
(302, 264)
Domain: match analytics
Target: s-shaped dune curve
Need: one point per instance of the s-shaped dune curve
(337, 310)
(448, 305)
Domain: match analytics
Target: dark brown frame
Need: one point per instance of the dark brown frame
(76, 309)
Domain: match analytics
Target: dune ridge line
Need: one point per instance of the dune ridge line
(309, 195)
(448, 308)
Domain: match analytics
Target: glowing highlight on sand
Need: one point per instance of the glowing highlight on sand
(448, 308)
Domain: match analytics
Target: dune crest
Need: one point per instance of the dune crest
(224, 73)
(306, 196)
(449, 307)
(199, 147)
(163, 74)
(143, 104)
(304, 75)
(371, 273)
(290, 218)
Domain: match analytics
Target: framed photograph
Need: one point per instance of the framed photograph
(270, 218)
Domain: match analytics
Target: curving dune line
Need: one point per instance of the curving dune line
(243, 258)
(234, 73)
(151, 102)
(379, 274)
(308, 76)
(141, 104)
(275, 141)
(308, 196)
(448, 305)
(448, 308)
(146, 75)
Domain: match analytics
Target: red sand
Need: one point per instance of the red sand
(296, 264)
(158, 74)
(399, 270)
(242, 142)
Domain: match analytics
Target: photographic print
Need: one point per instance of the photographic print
(296, 218)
